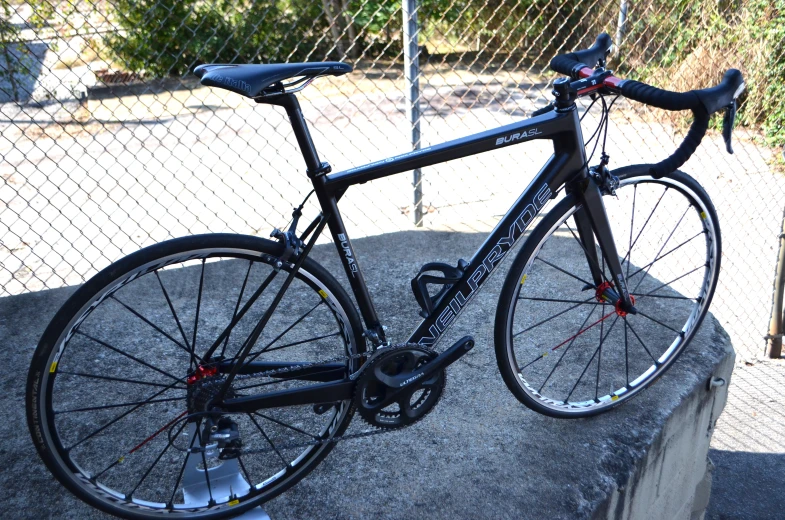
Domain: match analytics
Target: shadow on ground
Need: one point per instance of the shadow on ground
(747, 486)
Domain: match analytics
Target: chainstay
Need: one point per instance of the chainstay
(331, 439)
(367, 355)
(294, 368)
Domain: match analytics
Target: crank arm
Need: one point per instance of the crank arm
(442, 361)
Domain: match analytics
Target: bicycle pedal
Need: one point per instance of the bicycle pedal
(450, 276)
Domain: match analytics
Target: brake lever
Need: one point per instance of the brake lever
(728, 121)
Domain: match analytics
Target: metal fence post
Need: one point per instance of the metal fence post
(411, 68)
(622, 27)
(774, 337)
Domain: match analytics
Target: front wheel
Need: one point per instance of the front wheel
(563, 351)
(120, 386)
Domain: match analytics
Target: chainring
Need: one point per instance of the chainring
(383, 407)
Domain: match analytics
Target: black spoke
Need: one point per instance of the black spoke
(119, 417)
(640, 340)
(247, 305)
(658, 322)
(599, 360)
(237, 306)
(596, 351)
(295, 428)
(656, 257)
(153, 325)
(565, 272)
(564, 353)
(269, 441)
(171, 309)
(586, 253)
(664, 255)
(626, 356)
(119, 405)
(204, 462)
(157, 459)
(196, 319)
(666, 284)
(108, 378)
(317, 338)
(629, 253)
(632, 226)
(546, 320)
(282, 334)
(245, 471)
(182, 468)
(649, 295)
(129, 356)
(556, 300)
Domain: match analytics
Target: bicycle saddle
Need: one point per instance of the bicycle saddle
(259, 80)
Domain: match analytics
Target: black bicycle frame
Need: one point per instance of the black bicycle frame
(566, 167)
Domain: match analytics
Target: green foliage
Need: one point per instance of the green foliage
(702, 39)
(773, 77)
(169, 37)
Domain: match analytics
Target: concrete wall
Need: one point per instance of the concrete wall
(672, 479)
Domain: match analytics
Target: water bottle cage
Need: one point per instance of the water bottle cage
(450, 276)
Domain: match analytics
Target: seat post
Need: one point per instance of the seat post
(300, 127)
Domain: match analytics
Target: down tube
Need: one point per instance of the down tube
(488, 257)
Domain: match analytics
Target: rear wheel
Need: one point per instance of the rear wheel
(565, 352)
(112, 408)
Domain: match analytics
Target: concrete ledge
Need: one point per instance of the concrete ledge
(480, 454)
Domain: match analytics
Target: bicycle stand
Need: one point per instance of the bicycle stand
(225, 481)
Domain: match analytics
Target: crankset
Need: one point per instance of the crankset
(400, 386)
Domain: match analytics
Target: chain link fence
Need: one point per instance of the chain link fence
(109, 144)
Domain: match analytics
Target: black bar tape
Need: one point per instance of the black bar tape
(659, 98)
(570, 63)
(565, 64)
(698, 129)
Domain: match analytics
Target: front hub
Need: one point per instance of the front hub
(606, 293)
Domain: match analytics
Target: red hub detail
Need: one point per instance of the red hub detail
(601, 289)
(622, 313)
(201, 373)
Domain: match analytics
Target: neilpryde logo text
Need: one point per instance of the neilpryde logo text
(518, 136)
(488, 265)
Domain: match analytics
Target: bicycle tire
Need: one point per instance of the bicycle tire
(103, 375)
(670, 308)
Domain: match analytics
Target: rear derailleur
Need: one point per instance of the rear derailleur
(221, 439)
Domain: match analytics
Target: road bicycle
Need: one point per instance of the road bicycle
(205, 375)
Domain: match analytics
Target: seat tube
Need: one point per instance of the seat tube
(348, 258)
(329, 205)
(300, 128)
